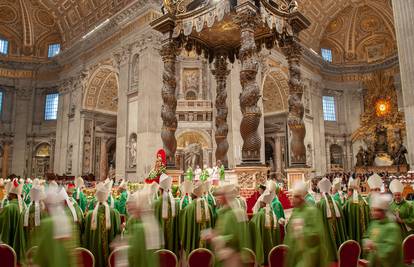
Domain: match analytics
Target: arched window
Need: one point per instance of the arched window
(190, 95)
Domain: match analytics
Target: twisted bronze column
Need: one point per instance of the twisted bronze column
(296, 126)
(169, 120)
(221, 72)
(248, 21)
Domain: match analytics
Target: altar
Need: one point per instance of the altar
(394, 169)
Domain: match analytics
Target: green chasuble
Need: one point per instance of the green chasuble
(190, 229)
(310, 199)
(9, 218)
(305, 238)
(338, 199)
(334, 227)
(264, 238)
(278, 208)
(356, 217)
(120, 203)
(80, 224)
(27, 236)
(405, 210)
(169, 226)
(81, 199)
(138, 254)
(213, 204)
(386, 236)
(53, 252)
(234, 232)
(129, 225)
(184, 201)
(98, 240)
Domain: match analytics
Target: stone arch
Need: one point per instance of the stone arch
(192, 136)
(275, 91)
(102, 90)
(336, 155)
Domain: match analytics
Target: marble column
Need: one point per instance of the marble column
(169, 57)
(52, 155)
(5, 163)
(404, 27)
(103, 163)
(250, 94)
(221, 72)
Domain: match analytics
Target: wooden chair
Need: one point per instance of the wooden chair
(29, 256)
(248, 258)
(277, 256)
(8, 256)
(85, 257)
(408, 250)
(201, 257)
(167, 258)
(118, 257)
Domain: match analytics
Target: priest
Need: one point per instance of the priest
(305, 235)
(78, 194)
(166, 211)
(120, 203)
(28, 231)
(383, 242)
(402, 209)
(57, 242)
(73, 210)
(375, 184)
(309, 198)
(144, 236)
(264, 228)
(101, 226)
(195, 218)
(186, 188)
(333, 220)
(356, 212)
(9, 215)
(338, 195)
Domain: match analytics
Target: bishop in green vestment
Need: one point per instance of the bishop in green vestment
(264, 228)
(231, 232)
(383, 239)
(166, 211)
(9, 215)
(338, 195)
(28, 231)
(333, 220)
(57, 239)
(120, 203)
(195, 218)
(305, 236)
(402, 209)
(356, 213)
(186, 188)
(78, 194)
(144, 236)
(375, 184)
(102, 225)
(26, 191)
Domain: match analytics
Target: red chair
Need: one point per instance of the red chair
(167, 258)
(408, 249)
(85, 257)
(8, 256)
(118, 256)
(248, 258)
(277, 256)
(348, 254)
(201, 257)
(29, 256)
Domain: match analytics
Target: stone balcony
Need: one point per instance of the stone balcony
(194, 110)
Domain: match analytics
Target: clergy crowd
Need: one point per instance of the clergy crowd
(50, 220)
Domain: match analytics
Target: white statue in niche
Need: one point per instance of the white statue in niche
(133, 151)
(309, 156)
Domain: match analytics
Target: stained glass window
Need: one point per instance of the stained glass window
(329, 113)
(51, 106)
(53, 50)
(4, 46)
(326, 54)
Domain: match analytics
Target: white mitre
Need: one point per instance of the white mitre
(375, 181)
(324, 185)
(380, 201)
(396, 186)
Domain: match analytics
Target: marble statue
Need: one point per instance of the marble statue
(309, 157)
(360, 156)
(192, 155)
(133, 152)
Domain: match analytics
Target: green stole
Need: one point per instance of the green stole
(356, 217)
(98, 240)
(305, 238)
(120, 203)
(278, 208)
(82, 201)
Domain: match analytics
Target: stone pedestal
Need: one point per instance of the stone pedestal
(297, 174)
(176, 175)
(249, 177)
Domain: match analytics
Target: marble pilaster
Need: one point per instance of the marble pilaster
(5, 163)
